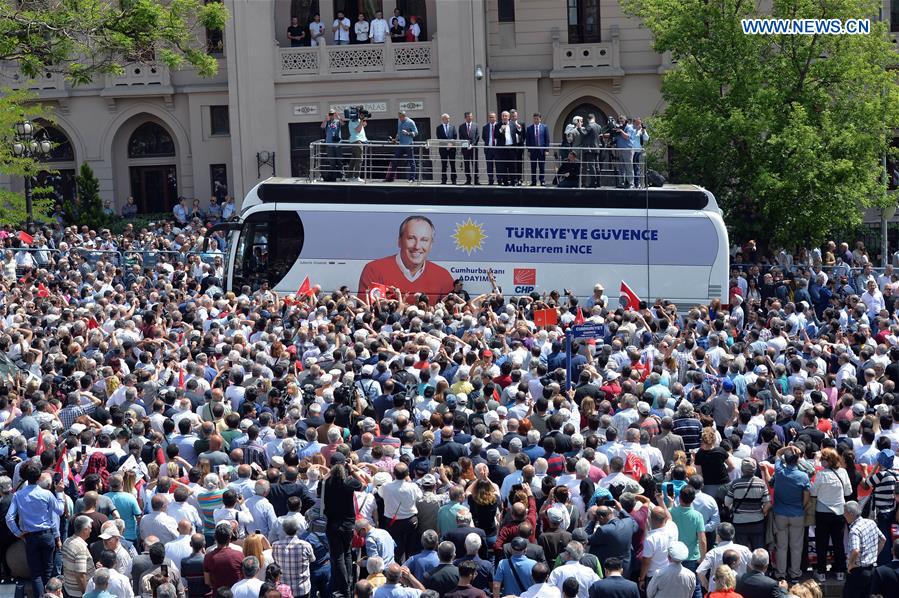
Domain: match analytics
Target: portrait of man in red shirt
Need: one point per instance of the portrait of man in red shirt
(409, 269)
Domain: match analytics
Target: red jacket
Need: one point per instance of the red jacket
(510, 530)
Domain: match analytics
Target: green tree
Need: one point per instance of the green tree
(89, 207)
(788, 131)
(82, 39)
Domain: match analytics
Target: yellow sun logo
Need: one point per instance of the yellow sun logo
(469, 236)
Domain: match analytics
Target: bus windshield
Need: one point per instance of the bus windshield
(269, 245)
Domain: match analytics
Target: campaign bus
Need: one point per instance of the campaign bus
(668, 242)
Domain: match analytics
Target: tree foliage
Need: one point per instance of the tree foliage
(788, 131)
(83, 39)
(89, 209)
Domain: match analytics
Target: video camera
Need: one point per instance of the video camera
(612, 127)
(356, 113)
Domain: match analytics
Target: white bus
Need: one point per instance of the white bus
(668, 242)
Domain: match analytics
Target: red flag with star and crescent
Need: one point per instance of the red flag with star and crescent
(629, 299)
(305, 289)
(376, 292)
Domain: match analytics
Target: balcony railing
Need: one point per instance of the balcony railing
(357, 59)
(12, 77)
(140, 75)
(585, 61)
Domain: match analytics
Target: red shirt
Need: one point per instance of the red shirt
(434, 280)
(223, 566)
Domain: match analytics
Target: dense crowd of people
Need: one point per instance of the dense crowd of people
(162, 437)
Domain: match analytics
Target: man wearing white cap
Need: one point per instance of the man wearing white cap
(675, 580)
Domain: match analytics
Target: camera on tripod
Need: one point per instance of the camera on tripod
(612, 127)
(356, 113)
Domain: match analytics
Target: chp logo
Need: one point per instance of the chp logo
(524, 279)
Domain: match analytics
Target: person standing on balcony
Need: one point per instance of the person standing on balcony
(398, 15)
(490, 135)
(333, 132)
(397, 31)
(508, 139)
(361, 29)
(413, 33)
(447, 132)
(516, 167)
(341, 29)
(317, 31)
(537, 140)
(468, 131)
(295, 33)
(379, 30)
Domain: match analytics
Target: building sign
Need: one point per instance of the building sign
(370, 106)
(305, 109)
(412, 105)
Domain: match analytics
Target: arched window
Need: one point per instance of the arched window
(62, 148)
(583, 110)
(150, 140)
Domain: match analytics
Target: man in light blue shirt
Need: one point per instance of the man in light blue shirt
(38, 512)
(180, 211)
(406, 131)
(791, 492)
(638, 140)
(333, 134)
(264, 518)
(394, 588)
(422, 563)
(377, 541)
(513, 575)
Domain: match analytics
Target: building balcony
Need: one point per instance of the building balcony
(585, 61)
(302, 63)
(47, 81)
(139, 80)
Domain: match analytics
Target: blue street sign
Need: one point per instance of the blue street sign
(588, 331)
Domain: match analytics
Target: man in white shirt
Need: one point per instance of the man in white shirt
(341, 29)
(658, 539)
(585, 576)
(316, 38)
(400, 499)
(541, 588)
(159, 523)
(705, 572)
(362, 28)
(180, 548)
(181, 509)
(873, 299)
(248, 587)
(264, 518)
(119, 585)
(379, 29)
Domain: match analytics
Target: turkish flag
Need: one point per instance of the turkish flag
(181, 378)
(628, 299)
(377, 291)
(42, 290)
(305, 289)
(579, 319)
(92, 323)
(40, 443)
(546, 317)
(25, 237)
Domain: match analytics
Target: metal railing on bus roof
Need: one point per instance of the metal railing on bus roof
(457, 162)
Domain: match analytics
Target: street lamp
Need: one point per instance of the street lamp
(26, 145)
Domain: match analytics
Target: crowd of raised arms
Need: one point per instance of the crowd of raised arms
(162, 437)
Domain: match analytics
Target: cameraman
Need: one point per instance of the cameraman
(332, 132)
(621, 137)
(358, 119)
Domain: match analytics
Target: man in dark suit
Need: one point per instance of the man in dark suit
(885, 579)
(537, 137)
(591, 143)
(468, 131)
(450, 450)
(754, 583)
(447, 132)
(614, 585)
(458, 534)
(489, 135)
(506, 140)
(445, 576)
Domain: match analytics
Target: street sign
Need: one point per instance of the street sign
(588, 331)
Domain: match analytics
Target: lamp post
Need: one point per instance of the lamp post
(26, 145)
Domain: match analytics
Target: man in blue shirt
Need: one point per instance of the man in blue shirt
(377, 541)
(791, 492)
(513, 575)
(423, 562)
(38, 512)
(638, 139)
(333, 133)
(397, 577)
(406, 131)
(623, 152)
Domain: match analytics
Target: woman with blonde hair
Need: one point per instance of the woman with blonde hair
(725, 582)
(258, 546)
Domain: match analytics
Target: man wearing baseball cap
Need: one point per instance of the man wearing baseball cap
(725, 406)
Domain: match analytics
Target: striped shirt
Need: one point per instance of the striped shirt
(209, 501)
(864, 537)
(689, 429)
(748, 496)
(76, 558)
(884, 484)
